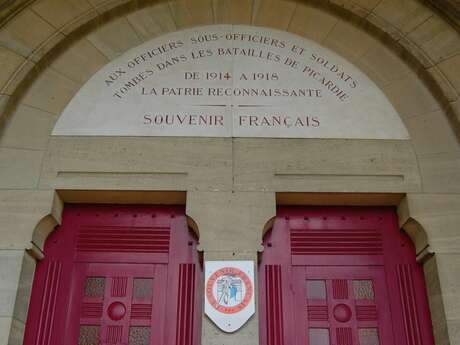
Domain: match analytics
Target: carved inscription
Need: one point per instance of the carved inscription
(225, 80)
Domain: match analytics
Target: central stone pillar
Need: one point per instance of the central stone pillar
(231, 227)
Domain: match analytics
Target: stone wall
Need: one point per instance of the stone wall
(48, 50)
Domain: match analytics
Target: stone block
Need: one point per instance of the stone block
(442, 232)
(354, 7)
(315, 165)
(27, 128)
(20, 212)
(382, 65)
(443, 83)
(451, 70)
(78, 21)
(40, 54)
(4, 99)
(138, 163)
(273, 13)
(103, 6)
(24, 71)
(25, 33)
(19, 168)
(50, 91)
(439, 40)
(348, 40)
(312, 23)
(440, 172)
(410, 96)
(26, 278)
(150, 22)
(5, 327)
(246, 335)
(16, 332)
(58, 12)
(9, 63)
(450, 283)
(232, 11)
(438, 315)
(188, 13)
(403, 15)
(432, 133)
(10, 270)
(367, 4)
(454, 331)
(114, 38)
(234, 218)
(79, 61)
(414, 50)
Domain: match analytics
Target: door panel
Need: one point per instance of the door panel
(341, 276)
(117, 275)
(342, 305)
(117, 304)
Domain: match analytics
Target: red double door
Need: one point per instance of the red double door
(117, 276)
(341, 276)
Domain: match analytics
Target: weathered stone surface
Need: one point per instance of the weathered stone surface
(150, 22)
(26, 32)
(50, 91)
(5, 328)
(324, 166)
(58, 12)
(382, 65)
(234, 218)
(312, 23)
(403, 15)
(10, 270)
(20, 212)
(19, 168)
(28, 128)
(9, 63)
(348, 40)
(138, 163)
(273, 13)
(410, 96)
(437, 38)
(440, 172)
(232, 11)
(187, 13)
(80, 61)
(114, 37)
(431, 133)
(451, 70)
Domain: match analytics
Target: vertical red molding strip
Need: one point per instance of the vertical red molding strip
(407, 293)
(46, 319)
(185, 305)
(274, 305)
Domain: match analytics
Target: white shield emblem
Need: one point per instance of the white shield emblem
(229, 290)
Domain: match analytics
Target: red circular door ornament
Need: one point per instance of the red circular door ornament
(229, 290)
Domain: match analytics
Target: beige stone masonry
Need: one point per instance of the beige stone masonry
(231, 220)
(233, 11)
(152, 21)
(408, 50)
(312, 23)
(20, 212)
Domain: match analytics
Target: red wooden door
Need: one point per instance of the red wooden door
(117, 276)
(117, 303)
(341, 276)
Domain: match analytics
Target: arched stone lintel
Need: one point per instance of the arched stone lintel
(116, 9)
(193, 226)
(44, 227)
(415, 230)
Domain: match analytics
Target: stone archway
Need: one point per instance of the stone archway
(51, 48)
